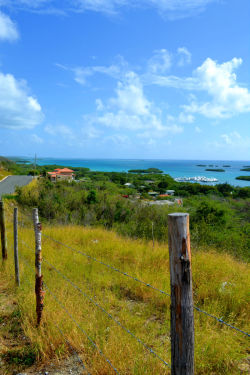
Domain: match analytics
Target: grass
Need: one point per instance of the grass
(220, 287)
(3, 173)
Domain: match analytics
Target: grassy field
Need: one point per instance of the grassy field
(220, 286)
(3, 173)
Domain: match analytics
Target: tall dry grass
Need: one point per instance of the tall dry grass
(220, 287)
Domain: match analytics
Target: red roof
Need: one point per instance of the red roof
(164, 195)
(65, 170)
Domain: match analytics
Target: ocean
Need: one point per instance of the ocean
(175, 168)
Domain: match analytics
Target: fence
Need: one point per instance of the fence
(182, 319)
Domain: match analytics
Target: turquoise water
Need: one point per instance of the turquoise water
(176, 168)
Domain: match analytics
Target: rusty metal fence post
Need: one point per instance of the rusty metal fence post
(182, 318)
(38, 265)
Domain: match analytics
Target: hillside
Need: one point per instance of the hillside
(220, 287)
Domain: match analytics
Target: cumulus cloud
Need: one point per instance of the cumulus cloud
(130, 109)
(17, 108)
(8, 29)
(226, 97)
(220, 83)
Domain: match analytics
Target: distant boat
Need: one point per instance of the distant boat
(196, 179)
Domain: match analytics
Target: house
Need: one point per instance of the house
(153, 193)
(59, 174)
(128, 184)
(170, 192)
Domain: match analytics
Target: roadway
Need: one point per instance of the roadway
(9, 184)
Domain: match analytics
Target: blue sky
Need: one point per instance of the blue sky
(164, 79)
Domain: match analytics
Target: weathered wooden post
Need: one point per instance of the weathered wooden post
(15, 229)
(38, 265)
(182, 318)
(3, 231)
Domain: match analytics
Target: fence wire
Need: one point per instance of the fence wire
(71, 347)
(107, 265)
(108, 314)
(81, 329)
(144, 283)
(221, 321)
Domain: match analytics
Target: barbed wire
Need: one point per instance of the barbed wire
(71, 347)
(108, 314)
(108, 266)
(221, 321)
(150, 286)
(81, 329)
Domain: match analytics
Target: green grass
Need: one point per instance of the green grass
(220, 285)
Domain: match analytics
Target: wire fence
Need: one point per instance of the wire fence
(96, 304)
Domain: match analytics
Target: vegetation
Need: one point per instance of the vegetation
(246, 169)
(215, 169)
(3, 173)
(149, 170)
(219, 220)
(201, 165)
(220, 287)
(243, 178)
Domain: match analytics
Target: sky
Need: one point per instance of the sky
(131, 79)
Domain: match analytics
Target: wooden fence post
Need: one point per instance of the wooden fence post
(38, 265)
(3, 231)
(182, 318)
(15, 229)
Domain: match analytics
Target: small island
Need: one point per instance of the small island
(247, 169)
(243, 178)
(201, 165)
(149, 170)
(215, 170)
(226, 166)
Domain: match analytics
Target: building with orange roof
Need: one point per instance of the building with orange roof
(60, 174)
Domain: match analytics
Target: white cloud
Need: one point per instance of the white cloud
(220, 83)
(171, 8)
(60, 130)
(8, 29)
(118, 139)
(186, 118)
(17, 108)
(35, 138)
(231, 138)
(198, 129)
(160, 62)
(90, 132)
(131, 109)
(82, 73)
(185, 56)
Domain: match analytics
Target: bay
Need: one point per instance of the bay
(175, 168)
